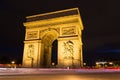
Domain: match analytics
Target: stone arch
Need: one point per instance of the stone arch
(48, 38)
(49, 35)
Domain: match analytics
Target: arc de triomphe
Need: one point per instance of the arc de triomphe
(53, 40)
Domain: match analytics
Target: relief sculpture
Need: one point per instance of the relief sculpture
(30, 51)
(68, 49)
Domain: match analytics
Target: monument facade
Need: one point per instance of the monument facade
(54, 40)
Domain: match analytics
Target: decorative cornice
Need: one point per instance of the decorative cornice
(57, 14)
(32, 41)
(76, 36)
(39, 24)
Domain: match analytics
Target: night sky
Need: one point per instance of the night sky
(101, 20)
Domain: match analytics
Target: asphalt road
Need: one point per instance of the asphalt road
(78, 76)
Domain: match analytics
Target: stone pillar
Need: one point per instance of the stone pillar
(49, 57)
(60, 53)
(38, 55)
(69, 52)
(30, 57)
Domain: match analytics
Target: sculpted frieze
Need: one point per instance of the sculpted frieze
(30, 51)
(33, 25)
(69, 30)
(68, 49)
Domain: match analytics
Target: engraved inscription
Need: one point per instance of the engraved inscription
(68, 30)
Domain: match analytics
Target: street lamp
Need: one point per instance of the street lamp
(13, 64)
(111, 63)
(84, 64)
(53, 64)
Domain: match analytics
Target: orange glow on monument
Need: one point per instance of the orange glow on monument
(42, 30)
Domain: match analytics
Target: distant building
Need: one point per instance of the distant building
(108, 64)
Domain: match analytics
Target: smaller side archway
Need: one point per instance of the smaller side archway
(54, 53)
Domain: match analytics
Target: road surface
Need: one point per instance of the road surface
(66, 76)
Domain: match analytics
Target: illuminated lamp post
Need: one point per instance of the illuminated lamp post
(13, 64)
(53, 64)
(84, 64)
(97, 64)
(111, 64)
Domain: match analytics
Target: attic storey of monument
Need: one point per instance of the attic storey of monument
(63, 27)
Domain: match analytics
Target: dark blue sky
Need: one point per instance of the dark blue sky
(101, 35)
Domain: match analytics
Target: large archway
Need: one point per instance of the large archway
(48, 47)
